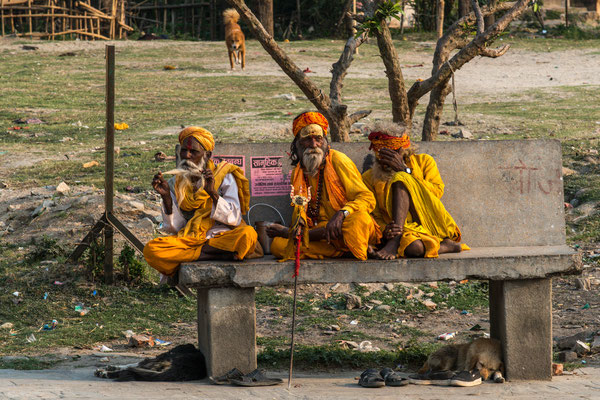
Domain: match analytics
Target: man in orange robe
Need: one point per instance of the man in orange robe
(408, 188)
(338, 214)
(202, 207)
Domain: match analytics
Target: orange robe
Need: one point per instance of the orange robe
(343, 189)
(166, 253)
(425, 187)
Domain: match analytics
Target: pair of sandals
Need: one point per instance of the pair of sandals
(236, 377)
(373, 378)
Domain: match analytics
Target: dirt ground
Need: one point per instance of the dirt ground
(73, 214)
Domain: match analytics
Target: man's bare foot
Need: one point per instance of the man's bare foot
(390, 250)
(449, 246)
(371, 251)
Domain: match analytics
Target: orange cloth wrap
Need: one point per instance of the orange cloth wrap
(200, 134)
(308, 118)
(380, 141)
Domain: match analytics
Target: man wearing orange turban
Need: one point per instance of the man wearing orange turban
(202, 208)
(338, 213)
(408, 188)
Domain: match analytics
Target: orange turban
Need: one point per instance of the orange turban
(309, 118)
(200, 134)
(380, 140)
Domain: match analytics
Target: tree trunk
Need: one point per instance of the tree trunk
(439, 19)
(265, 15)
(393, 71)
(431, 123)
(464, 8)
(490, 19)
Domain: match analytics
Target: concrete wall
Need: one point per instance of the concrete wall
(501, 193)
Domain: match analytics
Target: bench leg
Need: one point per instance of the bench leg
(521, 318)
(227, 329)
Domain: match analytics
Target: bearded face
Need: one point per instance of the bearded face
(311, 158)
(382, 172)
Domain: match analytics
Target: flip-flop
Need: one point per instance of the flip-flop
(225, 379)
(255, 378)
(371, 378)
(391, 378)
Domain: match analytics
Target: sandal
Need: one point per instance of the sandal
(255, 378)
(391, 378)
(371, 378)
(225, 379)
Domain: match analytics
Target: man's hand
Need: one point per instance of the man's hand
(162, 188)
(160, 185)
(392, 159)
(392, 230)
(277, 230)
(209, 184)
(333, 230)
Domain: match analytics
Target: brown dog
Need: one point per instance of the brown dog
(234, 38)
(482, 354)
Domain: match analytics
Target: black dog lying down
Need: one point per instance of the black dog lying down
(182, 363)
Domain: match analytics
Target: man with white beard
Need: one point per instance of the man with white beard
(202, 208)
(408, 188)
(338, 214)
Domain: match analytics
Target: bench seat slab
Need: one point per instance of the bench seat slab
(521, 318)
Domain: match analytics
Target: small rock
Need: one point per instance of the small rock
(389, 287)
(383, 307)
(568, 342)
(104, 359)
(575, 202)
(334, 328)
(595, 347)
(376, 302)
(146, 224)
(465, 134)
(337, 285)
(62, 189)
(567, 356)
(140, 341)
(136, 205)
(433, 285)
(583, 284)
(557, 369)
(429, 304)
(568, 171)
(13, 207)
(581, 348)
(7, 325)
(353, 301)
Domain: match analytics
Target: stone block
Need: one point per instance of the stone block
(567, 356)
(521, 318)
(227, 329)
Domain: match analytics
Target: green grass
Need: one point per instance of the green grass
(27, 363)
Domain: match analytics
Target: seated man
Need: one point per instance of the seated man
(202, 207)
(408, 188)
(338, 213)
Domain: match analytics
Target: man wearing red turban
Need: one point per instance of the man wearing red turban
(408, 188)
(338, 214)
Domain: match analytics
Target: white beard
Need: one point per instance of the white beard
(190, 174)
(379, 174)
(312, 160)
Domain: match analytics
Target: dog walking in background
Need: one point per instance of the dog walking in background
(234, 38)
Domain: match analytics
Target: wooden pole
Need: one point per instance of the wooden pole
(30, 20)
(567, 13)
(110, 161)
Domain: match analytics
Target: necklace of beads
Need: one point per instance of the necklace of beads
(313, 211)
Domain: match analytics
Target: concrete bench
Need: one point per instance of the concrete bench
(507, 198)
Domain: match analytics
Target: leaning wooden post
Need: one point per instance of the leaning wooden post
(109, 160)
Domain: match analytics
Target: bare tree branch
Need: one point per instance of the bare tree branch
(393, 70)
(479, 16)
(340, 68)
(359, 115)
(493, 53)
(466, 54)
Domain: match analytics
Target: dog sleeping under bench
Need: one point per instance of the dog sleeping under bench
(507, 199)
